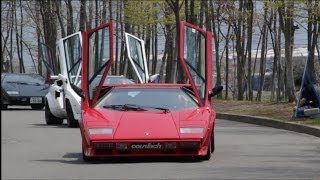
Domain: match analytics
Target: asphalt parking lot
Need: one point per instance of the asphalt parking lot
(33, 150)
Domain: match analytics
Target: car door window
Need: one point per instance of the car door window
(72, 49)
(99, 56)
(195, 56)
(137, 57)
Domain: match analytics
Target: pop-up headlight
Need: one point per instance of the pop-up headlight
(184, 130)
(100, 131)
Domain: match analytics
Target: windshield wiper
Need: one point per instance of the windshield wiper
(134, 107)
(159, 108)
(36, 84)
(25, 83)
(124, 107)
(17, 82)
(114, 106)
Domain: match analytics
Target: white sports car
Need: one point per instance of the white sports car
(63, 99)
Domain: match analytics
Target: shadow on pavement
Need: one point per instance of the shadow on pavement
(76, 158)
(21, 109)
(44, 125)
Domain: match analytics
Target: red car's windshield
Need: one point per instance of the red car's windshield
(168, 98)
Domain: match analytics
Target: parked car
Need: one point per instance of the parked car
(61, 101)
(23, 90)
(147, 119)
(56, 114)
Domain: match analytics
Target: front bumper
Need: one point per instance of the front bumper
(21, 101)
(136, 148)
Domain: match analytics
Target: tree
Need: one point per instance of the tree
(286, 15)
(275, 35)
(216, 29)
(175, 6)
(5, 34)
(19, 38)
(59, 15)
(313, 33)
(70, 26)
(249, 5)
(49, 26)
(240, 38)
(83, 15)
(264, 33)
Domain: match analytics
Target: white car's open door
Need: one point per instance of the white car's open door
(71, 51)
(70, 48)
(137, 57)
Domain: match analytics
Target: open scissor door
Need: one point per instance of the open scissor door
(97, 60)
(195, 55)
(137, 57)
(70, 48)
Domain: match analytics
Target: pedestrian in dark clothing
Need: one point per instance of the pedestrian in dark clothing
(307, 97)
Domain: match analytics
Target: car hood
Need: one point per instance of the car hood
(146, 124)
(16, 89)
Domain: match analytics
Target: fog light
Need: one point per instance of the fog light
(170, 145)
(103, 145)
(189, 145)
(121, 146)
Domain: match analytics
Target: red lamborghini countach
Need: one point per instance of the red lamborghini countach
(147, 119)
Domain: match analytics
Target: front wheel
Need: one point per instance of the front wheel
(50, 118)
(212, 143)
(71, 121)
(210, 148)
(208, 155)
(86, 158)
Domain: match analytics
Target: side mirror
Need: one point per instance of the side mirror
(77, 90)
(216, 90)
(59, 82)
(154, 78)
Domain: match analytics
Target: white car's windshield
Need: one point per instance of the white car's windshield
(112, 80)
(109, 80)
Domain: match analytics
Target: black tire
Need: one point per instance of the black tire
(37, 106)
(71, 121)
(86, 158)
(208, 155)
(210, 149)
(50, 118)
(212, 142)
(4, 106)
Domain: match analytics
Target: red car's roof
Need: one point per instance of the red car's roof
(148, 85)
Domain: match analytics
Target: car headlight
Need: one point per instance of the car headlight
(12, 92)
(191, 130)
(100, 130)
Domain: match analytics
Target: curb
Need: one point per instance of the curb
(271, 123)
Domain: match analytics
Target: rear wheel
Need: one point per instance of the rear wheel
(37, 106)
(71, 121)
(50, 118)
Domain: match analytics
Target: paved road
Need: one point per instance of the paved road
(33, 150)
